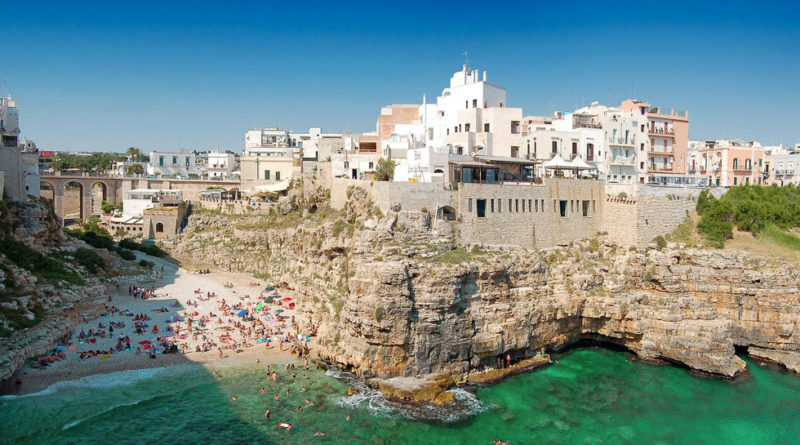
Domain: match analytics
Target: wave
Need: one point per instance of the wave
(466, 404)
(101, 381)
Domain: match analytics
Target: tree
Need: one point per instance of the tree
(136, 169)
(133, 152)
(106, 207)
(385, 170)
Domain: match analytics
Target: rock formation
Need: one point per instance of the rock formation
(395, 297)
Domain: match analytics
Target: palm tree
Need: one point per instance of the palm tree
(133, 152)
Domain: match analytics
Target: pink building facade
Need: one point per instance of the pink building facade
(731, 163)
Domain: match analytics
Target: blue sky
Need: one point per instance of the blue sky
(106, 76)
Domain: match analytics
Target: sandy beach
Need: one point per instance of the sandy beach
(212, 302)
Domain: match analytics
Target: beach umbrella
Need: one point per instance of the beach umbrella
(268, 300)
(287, 299)
(243, 312)
(270, 288)
(279, 311)
(258, 306)
(144, 342)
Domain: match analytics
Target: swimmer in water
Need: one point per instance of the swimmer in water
(299, 409)
(262, 390)
(287, 392)
(266, 414)
(233, 399)
(347, 418)
(277, 397)
(319, 433)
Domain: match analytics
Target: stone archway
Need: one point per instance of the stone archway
(74, 206)
(98, 194)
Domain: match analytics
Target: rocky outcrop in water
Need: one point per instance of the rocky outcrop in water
(395, 297)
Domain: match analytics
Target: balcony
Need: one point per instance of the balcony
(621, 141)
(660, 152)
(741, 169)
(625, 161)
(659, 168)
(661, 133)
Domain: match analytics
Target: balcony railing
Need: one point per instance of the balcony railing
(623, 160)
(661, 132)
(622, 141)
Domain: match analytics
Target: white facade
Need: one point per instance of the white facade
(19, 159)
(220, 165)
(138, 200)
(182, 164)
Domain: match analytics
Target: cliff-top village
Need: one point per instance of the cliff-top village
(467, 158)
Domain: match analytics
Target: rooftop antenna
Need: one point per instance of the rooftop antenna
(466, 59)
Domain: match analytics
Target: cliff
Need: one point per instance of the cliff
(395, 297)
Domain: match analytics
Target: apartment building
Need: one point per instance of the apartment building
(182, 164)
(728, 163)
(668, 133)
(269, 159)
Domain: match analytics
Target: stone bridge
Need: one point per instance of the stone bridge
(115, 187)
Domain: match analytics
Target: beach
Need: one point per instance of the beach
(176, 297)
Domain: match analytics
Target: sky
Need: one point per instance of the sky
(105, 76)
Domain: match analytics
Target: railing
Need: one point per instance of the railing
(661, 132)
(622, 141)
(623, 160)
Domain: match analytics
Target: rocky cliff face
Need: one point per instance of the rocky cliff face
(395, 298)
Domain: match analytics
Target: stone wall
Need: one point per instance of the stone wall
(636, 221)
(530, 216)
(238, 207)
(397, 195)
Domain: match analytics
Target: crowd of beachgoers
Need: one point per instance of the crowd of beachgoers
(175, 311)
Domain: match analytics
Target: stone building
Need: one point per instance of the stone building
(164, 220)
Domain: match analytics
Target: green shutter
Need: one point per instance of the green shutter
(277, 176)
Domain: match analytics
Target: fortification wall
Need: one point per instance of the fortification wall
(658, 216)
(529, 216)
(389, 195)
(619, 220)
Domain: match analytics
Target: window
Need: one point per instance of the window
(161, 161)
(474, 103)
(277, 176)
(641, 165)
(529, 149)
(481, 204)
(562, 206)
(641, 148)
(585, 206)
(187, 161)
(174, 160)
(466, 126)
(466, 104)
(510, 209)
(485, 104)
(266, 174)
(514, 152)
(759, 164)
(574, 148)
(491, 203)
(514, 127)
(665, 145)
(642, 128)
(543, 205)
(590, 152)
(537, 205)
(555, 147)
(501, 104)
(346, 164)
(486, 128)
(516, 205)
(748, 164)
(159, 228)
(448, 131)
(530, 209)
(734, 180)
(735, 163)
(593, 207)
(469, 205)
(571, 206)
(499, 206)
(747, 180)
(371, 165)
(555, 209)
(534, 148)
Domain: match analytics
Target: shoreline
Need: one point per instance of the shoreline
(173, 290)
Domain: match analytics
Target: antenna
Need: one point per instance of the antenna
(466, 58)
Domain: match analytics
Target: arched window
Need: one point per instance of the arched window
(159, 228)
(735, 163)
(748, 164)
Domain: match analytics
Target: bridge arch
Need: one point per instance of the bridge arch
(74, 198)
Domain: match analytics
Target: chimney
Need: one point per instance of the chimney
(484, 76)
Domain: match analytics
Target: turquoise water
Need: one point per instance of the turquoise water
(593, 396)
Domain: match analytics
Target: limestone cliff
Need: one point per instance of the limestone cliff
(395, 297)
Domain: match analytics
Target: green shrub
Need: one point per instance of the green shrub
(147, 264)
(126, 254)
(378, 314)
(89, 259)
(106, 207)
(622, 195)
(37, 263)
(150, 249)
(660, 242)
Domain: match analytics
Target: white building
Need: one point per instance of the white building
(220, 165)
(137, 200)
(180, 164)
(19, 159)
(269, 159)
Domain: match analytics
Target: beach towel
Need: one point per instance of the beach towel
(72, 348)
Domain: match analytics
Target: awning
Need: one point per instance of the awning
(558, 164)
(578, 164)
(277, 187)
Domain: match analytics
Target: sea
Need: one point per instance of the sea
(594, 396)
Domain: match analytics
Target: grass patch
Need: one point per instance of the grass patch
(457, 256)
(781, 238)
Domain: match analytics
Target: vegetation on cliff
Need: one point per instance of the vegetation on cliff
(768, 211)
